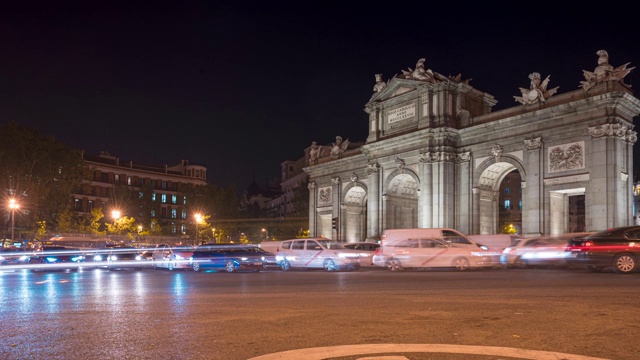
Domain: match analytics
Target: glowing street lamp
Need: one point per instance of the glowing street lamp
(213, 230)
(198, 219)
(13, 206)
(115, 214)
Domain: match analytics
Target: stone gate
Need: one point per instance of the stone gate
(435, 155)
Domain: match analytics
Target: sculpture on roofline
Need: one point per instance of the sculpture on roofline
(380, 84)
(314, 153)
(339, 147)
(537, 91)
(604, 72)
(419, 73)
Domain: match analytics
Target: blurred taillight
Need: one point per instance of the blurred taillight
(588, 243)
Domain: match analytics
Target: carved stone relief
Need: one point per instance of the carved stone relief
(324, 195)
(566, 157)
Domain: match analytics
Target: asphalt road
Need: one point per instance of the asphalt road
(372, 314)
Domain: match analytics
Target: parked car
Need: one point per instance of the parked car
(316, 253)
(545, 251)
(427, 253)
(56, 257)
(125, 258)
(171, 257)
(366, 251)
(616, 248)
(230, 258)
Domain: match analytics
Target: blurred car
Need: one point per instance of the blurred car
(366, 250)
(171, 257)
(13, 256)
(546, 251)
(125, 258)
(230, 258)
(56, 257)
(615, 248)
(431, 253)
(316, 253)
(269, 260)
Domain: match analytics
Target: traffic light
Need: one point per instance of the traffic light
(334, 223)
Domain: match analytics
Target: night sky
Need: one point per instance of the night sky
(243, 86)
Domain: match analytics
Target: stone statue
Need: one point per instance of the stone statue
(604, 72)
(419, 73)
(380, 84)
(314, 153)
(537, 91)
(339, 147)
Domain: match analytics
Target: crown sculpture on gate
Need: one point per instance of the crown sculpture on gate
(604, 72)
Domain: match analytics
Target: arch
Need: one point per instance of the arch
(487, 179)
(401, 190)
(354, 212)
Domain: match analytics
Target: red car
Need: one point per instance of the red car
(615, 248)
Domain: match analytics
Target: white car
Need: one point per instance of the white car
(431, 253)
(316, 253)
(171, 257)
(538, 251)
(366, 249)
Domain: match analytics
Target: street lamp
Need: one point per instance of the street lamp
(13, 206)
(266, 234)
(213, 230)
(115, 214)
(198, 218)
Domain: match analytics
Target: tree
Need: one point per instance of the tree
(40, 172)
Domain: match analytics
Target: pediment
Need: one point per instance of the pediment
(396, 87)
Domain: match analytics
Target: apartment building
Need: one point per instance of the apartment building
(109, 173)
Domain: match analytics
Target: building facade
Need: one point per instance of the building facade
(109, 173)
(436, 154)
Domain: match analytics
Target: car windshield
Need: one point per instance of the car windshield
(330, 244)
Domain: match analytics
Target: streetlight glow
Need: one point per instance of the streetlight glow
(13, 206)
(198, 219)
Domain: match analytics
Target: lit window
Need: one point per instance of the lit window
(153, 197)
(507, 204)
(520, 205)
(140, 195)
(116, 178)
(184, 200)
(129, 180)
(174, 213)
(164, 198)
(174, 199)
(184, 214)
(507, 191)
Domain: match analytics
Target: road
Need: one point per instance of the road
(373, 314)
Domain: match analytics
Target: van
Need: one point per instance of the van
(315, 253)
(447, 235)
(430, 248)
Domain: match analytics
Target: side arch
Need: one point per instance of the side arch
(400, 199)
(486, 183)
(354, 210)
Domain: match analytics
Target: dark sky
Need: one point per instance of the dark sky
(243, 86)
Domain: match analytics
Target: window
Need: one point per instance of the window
(154, 183)
(184, 200)
(140, 195)
(91, 205)
(164, 198)
(129, 180)
(507, 191)
(153, 197)
(164, 185)
(140, 181)
(174, 199)
(184, 214)
(297, 245)
(520, 204)
(76, 204)
(507, 204)
(116, 178)
(174, 213)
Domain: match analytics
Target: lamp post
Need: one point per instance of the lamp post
(213, 230)
(198, 218)
(115, 214)
(266, 234)
(13, 206)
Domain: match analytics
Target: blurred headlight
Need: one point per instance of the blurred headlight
(97, 257)
(244, 258)
(51, 259)
(138, 257)
(178, 257)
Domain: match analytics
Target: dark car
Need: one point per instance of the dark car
(229, 258)
(13, 256)
(56, 257)
(126, 258)
(615, 248)
(268, 259)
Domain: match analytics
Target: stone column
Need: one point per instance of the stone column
(373, 202)
(313, 209)
(475, 219)
(425, 200)
(533, 188)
